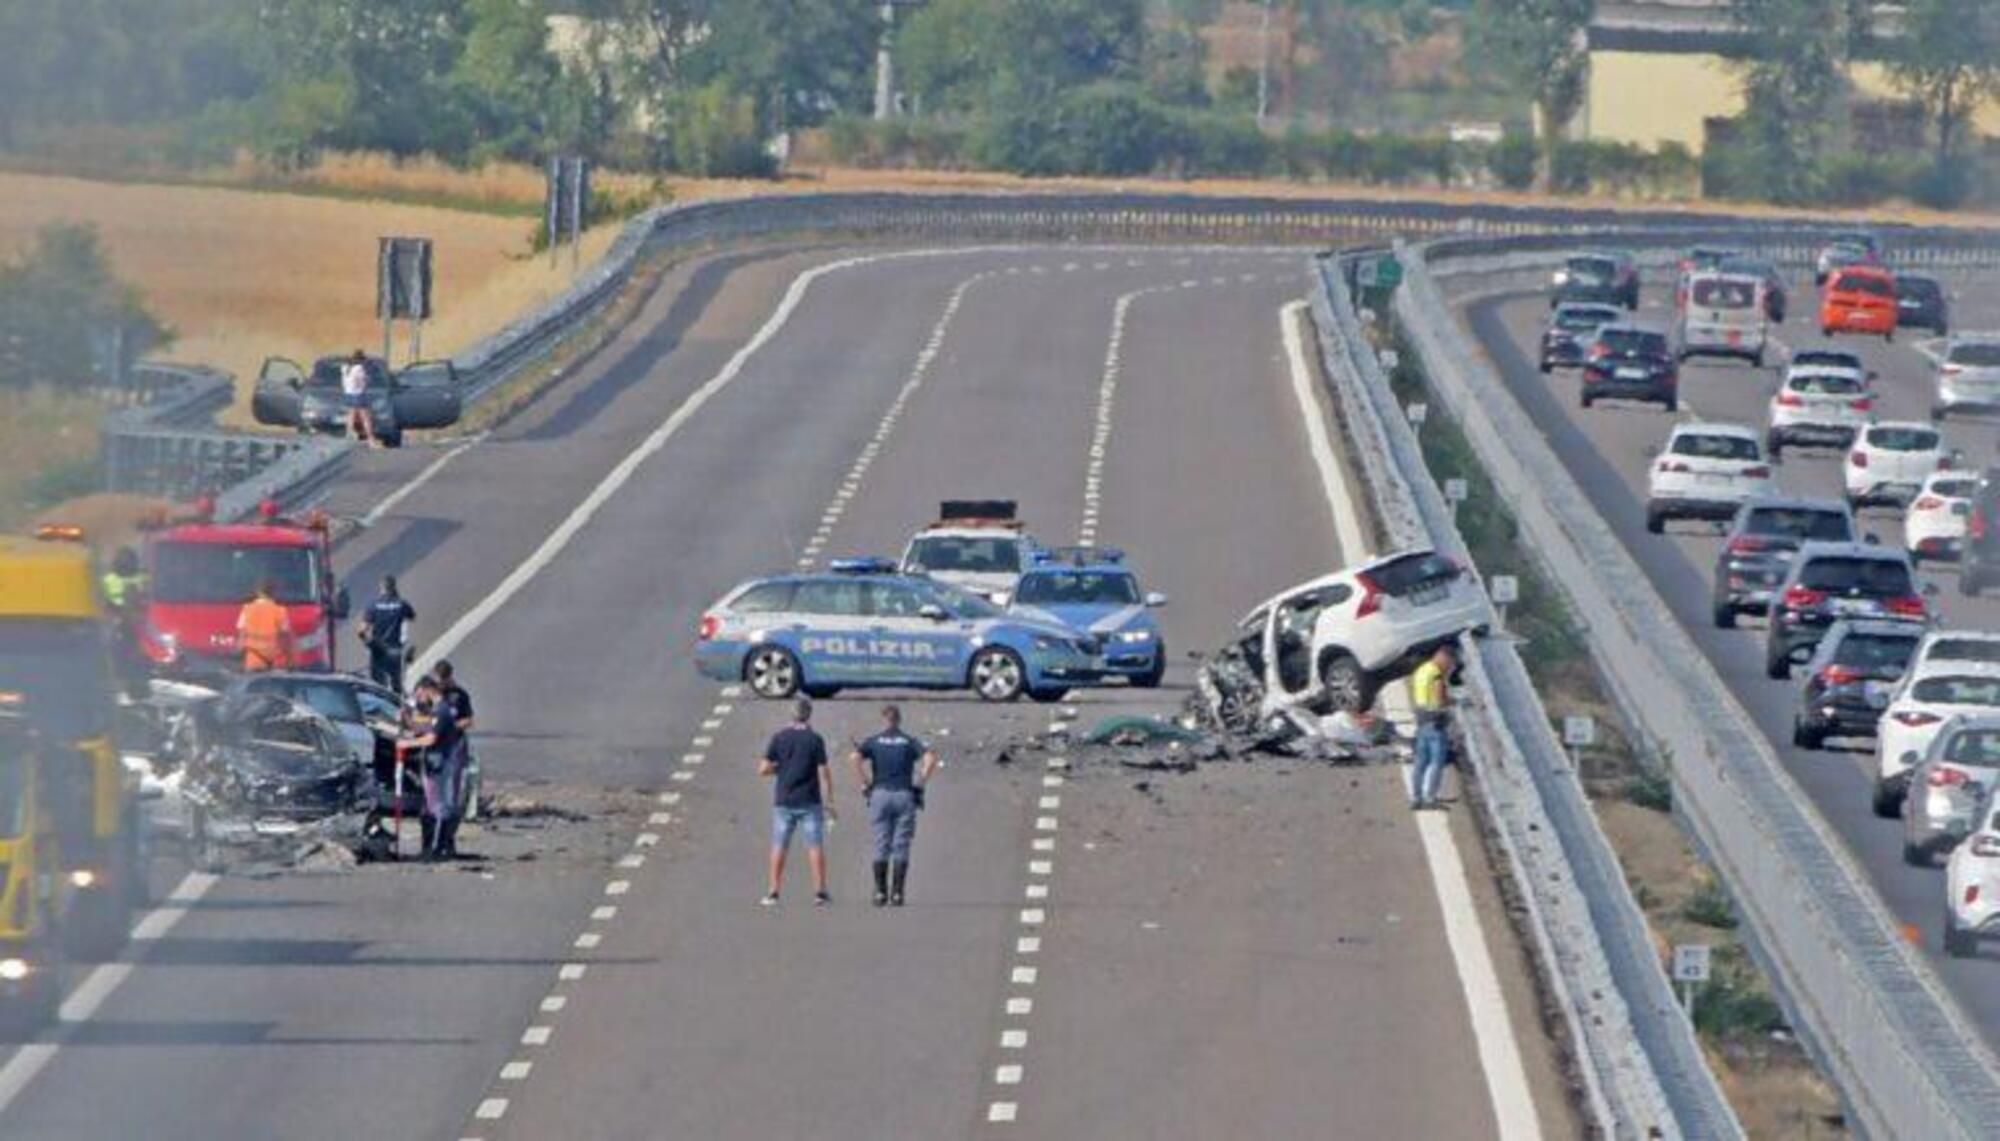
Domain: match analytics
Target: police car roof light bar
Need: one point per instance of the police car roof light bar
(992, 512)
(1080, 556)
(869, 564)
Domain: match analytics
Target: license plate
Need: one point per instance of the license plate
(1854, 606)
(1710, 477)
(1424, 596)
(1630, 374)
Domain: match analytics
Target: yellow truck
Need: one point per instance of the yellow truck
(56, 676)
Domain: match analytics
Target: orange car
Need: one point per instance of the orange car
(1859, 299)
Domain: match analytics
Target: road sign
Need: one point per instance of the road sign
(1691, 961)
(1456, 491)
(1389, 359)
(1506, 589)
(1382, 271)
(1417, 414)
(1579, 730)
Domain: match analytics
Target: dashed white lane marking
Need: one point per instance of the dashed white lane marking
(1045, 823)
(603, 914)
(618, 887)
(588, 941)
(1007, 1075)
(516, 1071)
(659, 819)
(1044, 844)
(571, 972)
(1027, 945)
(1013, 1039)
(537, 1035)
(554, 1003)
(670, 798)
(1492, 1030)
(1020, 1006)
(1024, 976)
(82, 1004)
(1002, 1111)
(1033, 916)
(492, 1109)
(1035, 891)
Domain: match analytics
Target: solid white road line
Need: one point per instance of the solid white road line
(1492, 1030)
(82, 1003)
(396, 497)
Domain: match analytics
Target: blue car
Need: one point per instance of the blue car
(864, 623)
(1092, 592)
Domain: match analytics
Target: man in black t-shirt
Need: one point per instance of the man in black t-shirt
(802, 798)
(893, 768)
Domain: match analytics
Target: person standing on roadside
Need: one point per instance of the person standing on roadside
(354, 394)
(1430, 694)
(802, 798)
(893, 768)
(468, 765)
(443, 749)
(385, 630)
(264, 632)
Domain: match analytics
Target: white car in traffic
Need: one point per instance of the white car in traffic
(1934, 524)
(1979, 647)
(1930, 693)
(1706, 471)
(1818, 407)
(1328, 645)
(976, 545)
(1972, 884)
(1890, 461)
(1968, 375)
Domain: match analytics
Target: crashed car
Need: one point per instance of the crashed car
(977, 545)
(257, 770)
(1329, 645)
(1091, 591)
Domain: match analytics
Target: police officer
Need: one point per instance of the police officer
(443, 745)
(893, 768)
(450, 690)
(385, 630)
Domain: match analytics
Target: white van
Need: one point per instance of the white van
(1721, 315)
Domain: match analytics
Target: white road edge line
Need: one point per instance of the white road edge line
(1492, 1030)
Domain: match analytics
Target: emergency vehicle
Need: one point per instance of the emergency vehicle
(55, 673)
(976, 544)
(201, 572)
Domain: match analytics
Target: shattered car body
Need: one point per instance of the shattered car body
(259, 770)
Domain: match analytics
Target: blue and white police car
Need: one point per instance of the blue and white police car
(863, 623)
(1091, 591)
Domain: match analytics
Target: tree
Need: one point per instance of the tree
(1538, 47)
(1948, 59)
(1790, 89)
(56, 300)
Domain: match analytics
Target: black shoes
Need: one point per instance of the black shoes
(881, 883)
(897, 873)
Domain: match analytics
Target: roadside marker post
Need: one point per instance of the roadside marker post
(1579, 733)
(1506, 592)
(1456, 492)
(1691, 967)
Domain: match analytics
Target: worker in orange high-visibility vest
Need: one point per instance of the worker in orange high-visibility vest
(264, 632)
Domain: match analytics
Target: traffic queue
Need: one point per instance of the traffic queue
(191, 692)
(1842, 611)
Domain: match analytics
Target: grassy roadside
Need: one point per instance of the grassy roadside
(48, 451)
(1773, 1084)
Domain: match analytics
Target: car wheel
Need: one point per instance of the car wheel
(1805, 736)
(1889, 337)
(391, 439)
(1888, 800)
(1938, 412)
(1776, 447)
(1656, 521)
(1671, 404)
(1347, 686)
(1777, 663)
(1547, 368)
(1958, 944)
(1585, 398)
(996, 674)
(1826, 331)
(1757, 360)
(1725, 614)
(772, 672)
(1915, 856)
(1152, 678)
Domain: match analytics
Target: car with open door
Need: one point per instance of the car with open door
(423, 396)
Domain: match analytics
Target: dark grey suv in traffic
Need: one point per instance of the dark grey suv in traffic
(1758, 551)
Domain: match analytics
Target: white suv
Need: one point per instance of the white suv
(1968, 375)
(1705, 471)
(1818, 407)
(1934, 691)
(976, 545)
(1328, 645)
(1934, 526)
(1972, 883)
(1890, 462)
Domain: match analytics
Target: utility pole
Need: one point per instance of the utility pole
(1264, 65)
(885, 65)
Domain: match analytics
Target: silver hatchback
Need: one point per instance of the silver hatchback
(1947, 787)
(1968, 376)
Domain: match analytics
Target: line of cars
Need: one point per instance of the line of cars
(1839, 606)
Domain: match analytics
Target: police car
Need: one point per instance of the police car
(865, 623)
(976, 544)
(1092, 592)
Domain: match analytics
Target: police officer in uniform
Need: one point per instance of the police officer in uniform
(893, 768)
(385, 630)
(443, 745)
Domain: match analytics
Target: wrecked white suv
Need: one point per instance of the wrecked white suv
(1328, 645)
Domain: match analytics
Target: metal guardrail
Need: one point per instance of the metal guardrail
(1596, 952)
(1904, 1055)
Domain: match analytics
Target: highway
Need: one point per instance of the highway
(1609, 449)
(1254, 948)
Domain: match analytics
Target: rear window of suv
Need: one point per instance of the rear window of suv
(1413, 572)
(1953, 690)
(1595, 271)
(1974, 747)
(1714, 447)
(1872, 650)
(1980, 354)
(1964, 650)
(1903, 439)
(1725, 293)
(1634, 342)
(1848, 575)
(1806, 524)
(1827, 384)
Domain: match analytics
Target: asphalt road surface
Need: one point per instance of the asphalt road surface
(1088, 951)
(1609, 449)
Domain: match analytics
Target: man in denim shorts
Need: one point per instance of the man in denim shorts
(802, 799)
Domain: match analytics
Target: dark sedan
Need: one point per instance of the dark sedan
(1607, 276)
(1631, 363)
(1572, 329)
(1921, 304)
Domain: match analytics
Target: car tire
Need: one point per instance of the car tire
(1547, 368)
(1656, 521)
(391, 439)
(1671, 404)
(1757, 359)
(1939, 412)
(1152, 678)
(772, 673)
(1775, 447)
(1347, 686)
(1724, 613)
(1958, 944)
(997, 674)
(1916, 856)
(1888, 800)
(1585, 398)
(1806, 737)
(1776, 665)
(1826, 331)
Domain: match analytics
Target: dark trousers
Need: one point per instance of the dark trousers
(385, 667)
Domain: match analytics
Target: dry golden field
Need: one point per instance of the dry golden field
(241, 275)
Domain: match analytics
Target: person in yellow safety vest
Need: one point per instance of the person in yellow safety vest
(264, 632)
(1430, 694)
(125, 581)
